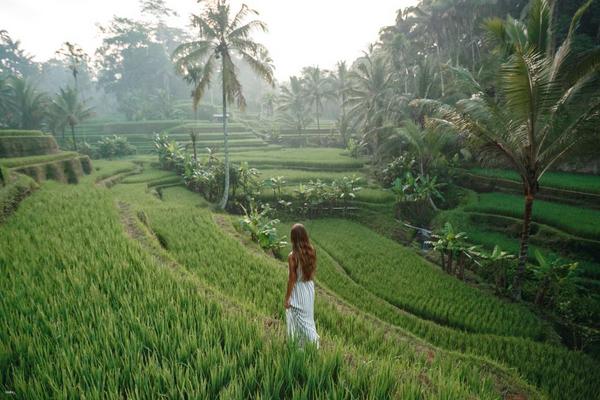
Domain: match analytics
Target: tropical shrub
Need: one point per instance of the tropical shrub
(354, 147)
(204, 178)
(552, 276)
(453, 246)
(246, 179)
(497, 266)
(170, 153)
(115, 146)
(276, 183)
(317, 197)
(398, 167)
(262, 229)
(414, 197)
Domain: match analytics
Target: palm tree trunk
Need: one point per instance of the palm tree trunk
(523, 251)
(441, 71)
(317, 107)
(194, 134)
(450, 262)
(73, 136)
(223, 202)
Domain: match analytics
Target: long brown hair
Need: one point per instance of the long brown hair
(303, 251)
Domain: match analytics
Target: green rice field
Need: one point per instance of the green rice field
(560, 180)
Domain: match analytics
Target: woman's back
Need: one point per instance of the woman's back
(300, 297)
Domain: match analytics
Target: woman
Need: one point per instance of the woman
(300, 294)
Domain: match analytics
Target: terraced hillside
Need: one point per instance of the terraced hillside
(37, 155)
(141, 134)
(565, 217)
(106, 308)
(326, 134)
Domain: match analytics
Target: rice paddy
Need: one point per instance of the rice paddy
(183, 307)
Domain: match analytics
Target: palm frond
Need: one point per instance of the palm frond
(204, 83)
(262, 69)
(233, 87)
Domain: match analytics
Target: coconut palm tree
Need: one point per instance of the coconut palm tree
(548, 100)
(368, 98)
(6, 100)
(294, 105)
(221, 36)
(340, 86)
(69, 110)
(77, 58)
(28, 103)
(318, 88)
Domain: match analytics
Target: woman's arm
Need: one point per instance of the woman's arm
(291, 279)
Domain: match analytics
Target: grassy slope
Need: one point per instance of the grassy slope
(195, 241)
(305, 158)
(401, 277)
(85, 311)
(576, 220)
(559, 180)
(559, 372)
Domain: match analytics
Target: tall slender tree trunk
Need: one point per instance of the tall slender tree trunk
(441, 70)
(450, 261)
(523, 251)
(73, 136)
(317, 107)
(223, 203)
(343, 121)
(194, 137)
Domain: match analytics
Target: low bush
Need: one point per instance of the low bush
(115, 146)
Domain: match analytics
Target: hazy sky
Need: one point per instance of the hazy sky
(301, 32)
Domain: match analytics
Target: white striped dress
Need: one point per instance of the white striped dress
(300, 316)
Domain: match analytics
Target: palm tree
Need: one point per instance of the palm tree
(548, 100)
(267, 103)
(76, 58)
(318, 88)
(340, 85)
(222, 35)
(6, 100)
(28, 103)
(293, 103)
(426, 144)
(368, 98)
(68, 110)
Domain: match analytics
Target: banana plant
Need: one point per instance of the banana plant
(552, 275)
(276, 183)
(497, 263)
(450, 244)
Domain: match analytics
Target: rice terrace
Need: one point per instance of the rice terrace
(300, 200)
